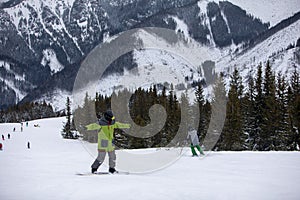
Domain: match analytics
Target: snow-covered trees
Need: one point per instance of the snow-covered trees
(263, 116)
(26, 112)
(232, 133)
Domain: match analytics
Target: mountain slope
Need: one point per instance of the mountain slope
(52, 38)
(275, 48)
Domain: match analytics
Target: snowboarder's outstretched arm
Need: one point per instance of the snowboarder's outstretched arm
(122, 125)
(93, 126)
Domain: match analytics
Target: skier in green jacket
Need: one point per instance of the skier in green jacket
(106, 127)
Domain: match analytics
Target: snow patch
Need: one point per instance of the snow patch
(5, 65)
(50, 59)
(181, 27)
(57, 99)
(226, 21)
(205, 20)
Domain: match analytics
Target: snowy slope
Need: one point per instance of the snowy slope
(47, 171)
(272, 49)
(273, 11)
(159, 62)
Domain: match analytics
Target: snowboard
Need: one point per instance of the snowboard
(102, 173)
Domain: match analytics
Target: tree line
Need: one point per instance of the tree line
(263, 116)
(28, 111)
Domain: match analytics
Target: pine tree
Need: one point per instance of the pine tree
(171, 124)
(270, 111)
(248, 109)
(284, 137)
(204, 109)
(232, 135)
(294, 108)
(67, 132)
(258, 111)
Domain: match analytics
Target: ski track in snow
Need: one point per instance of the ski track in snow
(47, 171)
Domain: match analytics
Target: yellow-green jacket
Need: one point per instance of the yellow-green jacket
(106, 133)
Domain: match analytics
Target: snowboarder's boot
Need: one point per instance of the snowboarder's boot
(112, 170)
(94, 170)
(95, 166)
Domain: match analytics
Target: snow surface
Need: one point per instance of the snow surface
(273, 11)
(47, 171)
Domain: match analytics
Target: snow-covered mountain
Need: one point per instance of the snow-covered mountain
(280, 49)
(43, 43)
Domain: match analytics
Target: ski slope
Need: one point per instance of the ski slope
(47, 171)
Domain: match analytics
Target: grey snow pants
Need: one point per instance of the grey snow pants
(101, 156)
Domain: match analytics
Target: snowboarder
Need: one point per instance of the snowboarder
(21, 128)
(2, 137)
(14, 129)
(106, 126)
(26, 124)
(1, 146)
(8, 136)
(28, 145)
(194, 140)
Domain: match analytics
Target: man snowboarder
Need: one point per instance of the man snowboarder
(106, 126)
(194, 140)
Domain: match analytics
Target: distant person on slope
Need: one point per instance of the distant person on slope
(106, 126)
(194, 140)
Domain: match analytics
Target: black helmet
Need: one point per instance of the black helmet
(108, 115)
